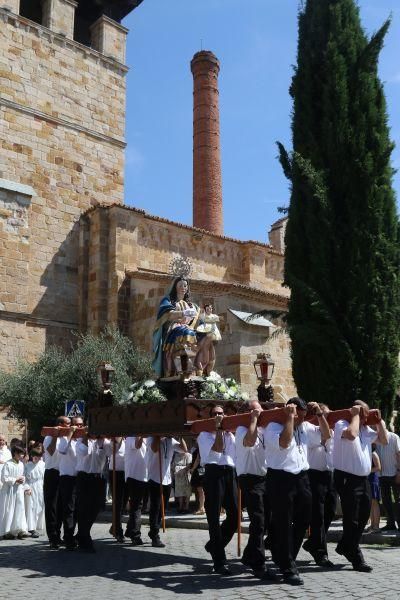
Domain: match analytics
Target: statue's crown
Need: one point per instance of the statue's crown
(180, 266)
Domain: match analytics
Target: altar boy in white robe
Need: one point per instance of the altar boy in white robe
(12, 508)
(34, 502)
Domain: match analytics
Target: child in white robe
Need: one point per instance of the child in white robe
(12, 506)
(5, 454)
(34, 502)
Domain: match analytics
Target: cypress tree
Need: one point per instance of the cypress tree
(342, 238)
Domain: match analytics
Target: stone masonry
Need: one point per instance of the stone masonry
(62, 121)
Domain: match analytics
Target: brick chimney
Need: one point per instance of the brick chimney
(207, 183)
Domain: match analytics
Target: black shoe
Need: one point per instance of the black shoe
(120, 539)
(207, 547)
(54, 545)
(324, 562)
(391, 527)
(157, 543)
(264, 574)
(34, 534)
(223, 570)
(137, 541)
(362, 566)
(292, 578)
(70, 547)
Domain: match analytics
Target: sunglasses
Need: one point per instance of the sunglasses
(216, 414)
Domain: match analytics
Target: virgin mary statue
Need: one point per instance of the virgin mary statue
(174, 330)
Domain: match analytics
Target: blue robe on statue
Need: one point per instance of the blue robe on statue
(170, 336)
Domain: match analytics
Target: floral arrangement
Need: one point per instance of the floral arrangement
(142, 393)
(218, 388)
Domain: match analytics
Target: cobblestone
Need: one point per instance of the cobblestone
(181, 570)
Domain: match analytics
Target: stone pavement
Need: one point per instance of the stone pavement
(28, 569)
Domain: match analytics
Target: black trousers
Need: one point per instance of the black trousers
(68, 501)
(118, 501)
(290, 499)
(90, 490)
(155, 506)
(137, 491)
(389, 486)
(220, 490)
(324, 498)
(52, 504)
(254, 492)
(355, 496)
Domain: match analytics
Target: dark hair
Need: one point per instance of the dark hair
(17, 442)
(60, 419)
(173, 296)
(17, 450)
(214, 407)
(35, 452)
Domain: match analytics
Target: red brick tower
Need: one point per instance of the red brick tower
(207, 183)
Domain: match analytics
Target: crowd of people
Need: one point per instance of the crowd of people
(289, 476)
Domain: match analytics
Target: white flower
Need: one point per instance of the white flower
(129, 396)
(232, 393)
(133, 386)
(149, 383)
(213, 376)
(222, 388)
(140, 393)
(225, 396)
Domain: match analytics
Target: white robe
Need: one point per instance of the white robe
(12, 506)
(5, 455)
(34, 503)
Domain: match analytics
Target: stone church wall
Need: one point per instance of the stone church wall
(62, 119)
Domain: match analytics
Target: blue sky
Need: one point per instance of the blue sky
(255, 41)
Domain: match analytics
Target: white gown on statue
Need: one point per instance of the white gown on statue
(34, 503)
(12, 506)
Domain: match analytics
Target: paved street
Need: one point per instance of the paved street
(29, 569)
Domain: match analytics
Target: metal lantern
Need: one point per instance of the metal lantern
(105, 373)
(264, 367)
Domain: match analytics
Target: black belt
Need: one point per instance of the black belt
(214, 466)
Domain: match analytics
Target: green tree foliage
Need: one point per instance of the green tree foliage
(342, 239)
(37, 391)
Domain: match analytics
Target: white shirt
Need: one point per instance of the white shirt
(319, 454)
(388, 455)
(294, 458)
(51, 462)
(227, 457)
(167, 448)
(353, 456)
(136, 459)
(250, 460)
(96, 456)
(68, 460)
(119, 454)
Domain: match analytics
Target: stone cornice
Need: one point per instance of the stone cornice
(18, 21)
(234, 289)
(62, 122)
(29, 319)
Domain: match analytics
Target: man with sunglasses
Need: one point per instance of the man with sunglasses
(217, 455)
